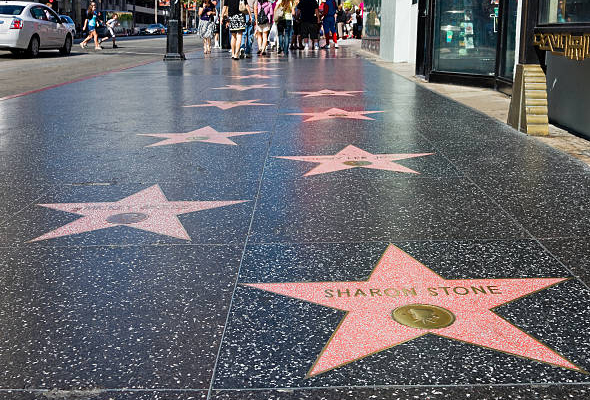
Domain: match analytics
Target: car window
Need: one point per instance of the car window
(39, 13)
(51, 15)
(9, 9)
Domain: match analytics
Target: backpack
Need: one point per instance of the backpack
(262, 17)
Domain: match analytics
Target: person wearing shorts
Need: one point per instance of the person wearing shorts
(309, 14)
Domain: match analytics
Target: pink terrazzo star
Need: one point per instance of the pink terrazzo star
(263, 69)
(242, 88)
(334, 113)
(226, 105)
(254, 76)
(148, 210)
(206, 134)
(328, 92)
(353, 157)
(399, 284)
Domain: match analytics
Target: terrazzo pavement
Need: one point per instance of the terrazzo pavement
(150, 300)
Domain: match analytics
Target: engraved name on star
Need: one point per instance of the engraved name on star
(334, 113)
(328, 92)
(353, 157)
(147, 210)
(206, 134)
(242, 88)
(226, 105)
(403, 300)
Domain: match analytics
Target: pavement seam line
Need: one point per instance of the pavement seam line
(236, 283)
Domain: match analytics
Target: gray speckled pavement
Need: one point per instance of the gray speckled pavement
(332, 232)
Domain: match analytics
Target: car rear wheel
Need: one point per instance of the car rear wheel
(33, 49)
(67, 47)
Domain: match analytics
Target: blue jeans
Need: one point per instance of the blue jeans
(285, 35)
(248, 36)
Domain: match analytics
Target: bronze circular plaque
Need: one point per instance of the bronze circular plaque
(423, 316)
(357, 163)
(337, 115)
(198, 138)
(127, 218)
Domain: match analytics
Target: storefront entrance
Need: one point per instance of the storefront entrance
(467, 41)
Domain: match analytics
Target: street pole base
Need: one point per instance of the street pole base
(174, 57)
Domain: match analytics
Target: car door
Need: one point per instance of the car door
(55, 28)
(41, 26)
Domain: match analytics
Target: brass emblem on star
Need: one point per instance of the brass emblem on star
(357, 163)
(423, 316)
(198, 138)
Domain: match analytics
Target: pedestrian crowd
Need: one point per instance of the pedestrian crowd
(296, 24)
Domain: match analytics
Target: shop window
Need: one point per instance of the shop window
(465, 36)
(564, 11)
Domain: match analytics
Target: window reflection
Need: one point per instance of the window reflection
(564, 11)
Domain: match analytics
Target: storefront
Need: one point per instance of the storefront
(469, 41)
(562, 42)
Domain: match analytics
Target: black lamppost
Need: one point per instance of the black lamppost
(174, 50)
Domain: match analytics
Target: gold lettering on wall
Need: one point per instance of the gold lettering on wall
(574, 47)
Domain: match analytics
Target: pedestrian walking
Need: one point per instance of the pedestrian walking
(263, 12)
(341, 22)
(237, 24)
(207, 13)
(91, 23)
(329, 23)
(309, 14)
(248, 36)
(111, 24)
(284, 21)
(357, 27)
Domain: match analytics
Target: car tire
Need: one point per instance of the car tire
(67, 47)
(33, 49)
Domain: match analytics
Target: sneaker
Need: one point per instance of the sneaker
(326, 47)
(98, 48)
(216, 46)
(242, 53)
(115, 46)
(83, 45)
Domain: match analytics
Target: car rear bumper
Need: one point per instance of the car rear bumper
(13, 39)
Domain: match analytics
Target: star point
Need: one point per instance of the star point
(328, 92)
(403, 299)
(206, 135)
(334, 113)
(147, 210)
(226, 105)
(242, 88)
(254, 76)
(353, 157)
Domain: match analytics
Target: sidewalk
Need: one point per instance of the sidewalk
(492, 103)
(307, 228)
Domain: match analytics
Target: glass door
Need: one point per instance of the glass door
(466, 36)
(507, 47)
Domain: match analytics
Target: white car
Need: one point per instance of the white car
(30, 27)
(68, 23)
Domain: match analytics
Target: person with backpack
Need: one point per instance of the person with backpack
(263, 12)
(248, 37)
(329, 23)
